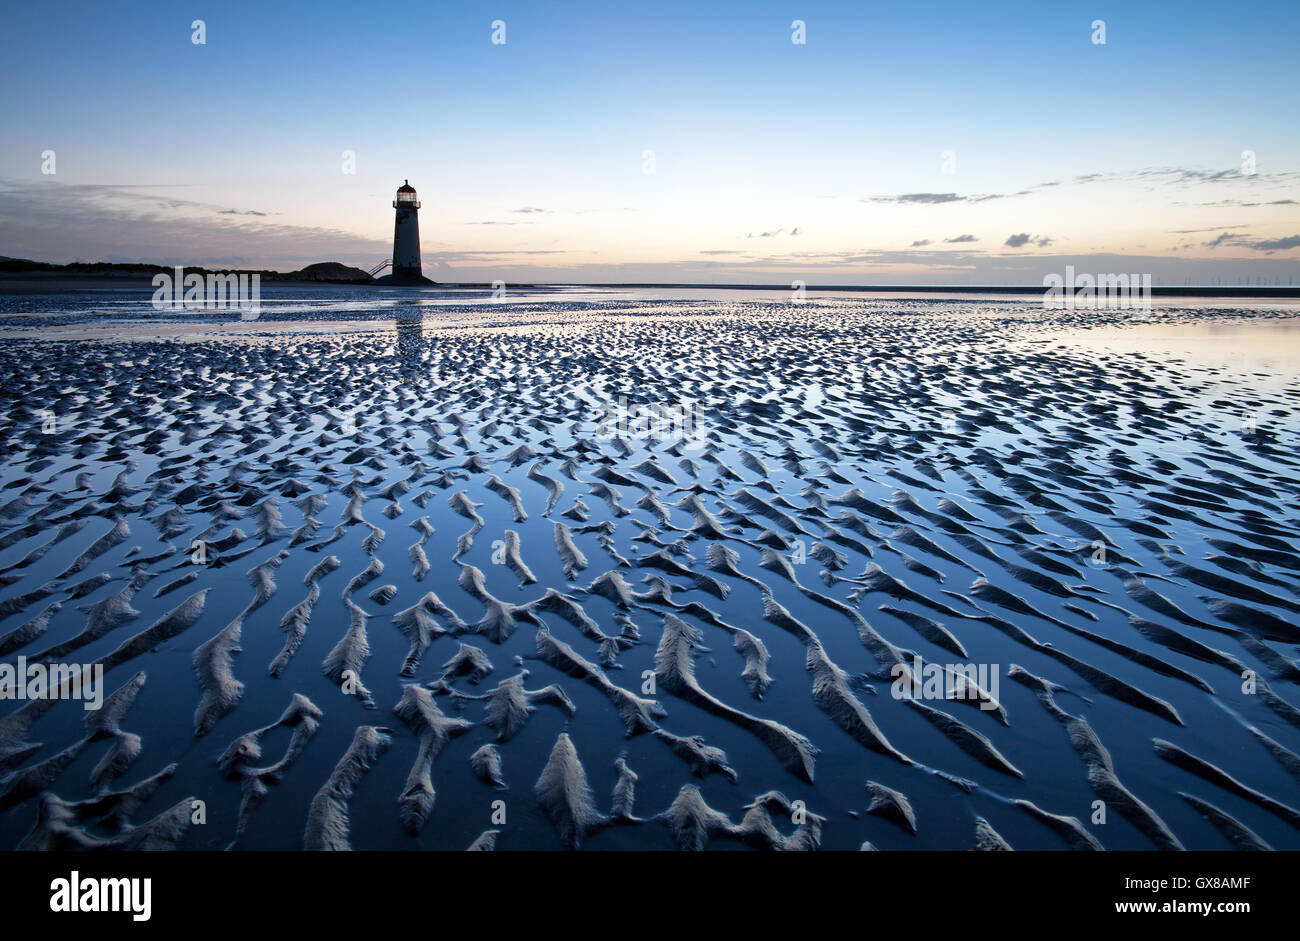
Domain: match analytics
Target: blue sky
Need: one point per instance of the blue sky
(770, 159)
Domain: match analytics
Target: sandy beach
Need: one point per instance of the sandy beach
(609, 571)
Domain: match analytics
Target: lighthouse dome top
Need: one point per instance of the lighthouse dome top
(406, 187)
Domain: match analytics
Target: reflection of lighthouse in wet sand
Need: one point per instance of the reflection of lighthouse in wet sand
(406, 238)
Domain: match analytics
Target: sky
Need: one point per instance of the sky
(937, 142)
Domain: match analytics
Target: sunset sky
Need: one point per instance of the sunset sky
(771, 160)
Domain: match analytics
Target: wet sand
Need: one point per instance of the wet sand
(449, 599)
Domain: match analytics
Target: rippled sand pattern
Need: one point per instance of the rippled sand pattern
(369, 587)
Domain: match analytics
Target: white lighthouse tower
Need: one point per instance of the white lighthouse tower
(406, 237)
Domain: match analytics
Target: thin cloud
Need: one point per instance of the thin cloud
(1217, 228)
(1240, 240)
(1237, 203)
(1224, 238)
(1161, 176)
(1269, 245)
(923, 199)
(100, 222)
(473, 256)
(1020, 239)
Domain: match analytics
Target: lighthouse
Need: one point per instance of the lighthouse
(406, 237)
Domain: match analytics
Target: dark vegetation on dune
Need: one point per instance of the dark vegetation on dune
(328, 271)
